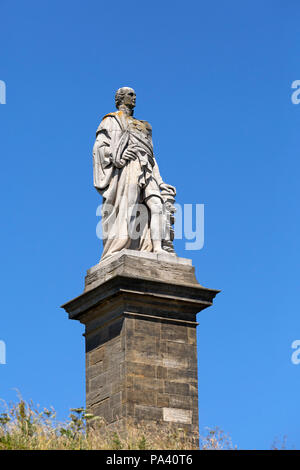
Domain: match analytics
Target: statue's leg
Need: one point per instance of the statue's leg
(155, 206)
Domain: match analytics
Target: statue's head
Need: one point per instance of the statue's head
(126, 96)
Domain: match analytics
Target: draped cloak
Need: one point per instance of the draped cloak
(123, 183)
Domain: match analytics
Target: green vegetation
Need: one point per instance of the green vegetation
(24, 426)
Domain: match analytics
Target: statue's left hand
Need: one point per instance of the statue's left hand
(168, 188)
(129, 154)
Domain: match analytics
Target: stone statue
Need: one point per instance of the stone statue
(137, 210)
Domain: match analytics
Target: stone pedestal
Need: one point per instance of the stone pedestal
(139, 311)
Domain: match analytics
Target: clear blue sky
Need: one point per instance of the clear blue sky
(214, 79)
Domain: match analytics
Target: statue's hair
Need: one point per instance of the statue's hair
(120, 95)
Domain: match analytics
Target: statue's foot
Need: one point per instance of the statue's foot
(159, 250)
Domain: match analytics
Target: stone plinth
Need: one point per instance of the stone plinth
(139, 311)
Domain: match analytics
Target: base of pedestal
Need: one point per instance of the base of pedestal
(139, 311)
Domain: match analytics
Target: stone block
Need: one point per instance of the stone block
(147, 329)
(176, 388)
(147, 383)
(163, 399)
(140, 397)
(94, 370)
(117, 412)
(173, 332)
(96, 355)
(180, 401)
(182, 375)
(162, 372)
(140, 369)
(152, 413)
(177, 415)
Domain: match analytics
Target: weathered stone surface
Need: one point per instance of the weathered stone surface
(141, 352)
(139, 264)
(151, 413)
(177, 415)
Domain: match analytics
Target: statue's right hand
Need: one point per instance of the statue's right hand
(129, 154)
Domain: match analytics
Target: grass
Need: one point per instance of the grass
(25, 426)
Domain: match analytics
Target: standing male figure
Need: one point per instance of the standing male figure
(127, 176)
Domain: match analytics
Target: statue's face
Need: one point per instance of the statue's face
(129, 98)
